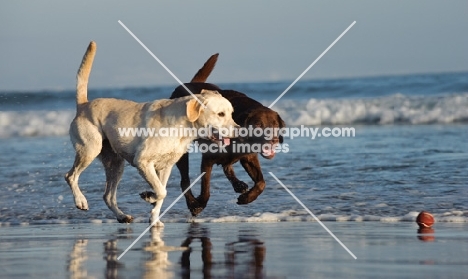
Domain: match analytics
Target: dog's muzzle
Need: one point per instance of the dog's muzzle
(215, 136)
(269, 148)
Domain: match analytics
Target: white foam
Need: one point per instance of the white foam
(302, 216)
(35, 123)
(392, 109)
(266, 217)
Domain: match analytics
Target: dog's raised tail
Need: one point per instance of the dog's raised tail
(205, 71)
(82, 76)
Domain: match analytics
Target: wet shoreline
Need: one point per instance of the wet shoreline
(234, 250)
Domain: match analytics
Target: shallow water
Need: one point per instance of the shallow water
(386, 173)
(409, 153)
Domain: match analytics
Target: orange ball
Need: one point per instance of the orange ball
(425, 219)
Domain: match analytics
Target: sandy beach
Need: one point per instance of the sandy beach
(234, 250)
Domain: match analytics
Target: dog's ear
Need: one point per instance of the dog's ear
(281, 125)
(193, 110)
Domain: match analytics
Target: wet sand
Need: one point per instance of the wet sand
(235, 250)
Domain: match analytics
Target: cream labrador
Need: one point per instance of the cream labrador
(94, 132)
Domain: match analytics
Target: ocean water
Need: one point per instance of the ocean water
(409, 153)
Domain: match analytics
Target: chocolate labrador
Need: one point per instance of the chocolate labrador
(247, 113)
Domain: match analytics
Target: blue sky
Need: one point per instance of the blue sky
(42, 42)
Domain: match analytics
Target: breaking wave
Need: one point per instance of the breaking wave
(386, 110)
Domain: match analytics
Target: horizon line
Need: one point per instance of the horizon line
(279, 81)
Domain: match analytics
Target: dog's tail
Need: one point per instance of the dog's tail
(82, 76)
(205, 71)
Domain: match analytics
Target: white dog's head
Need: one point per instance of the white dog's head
(216, 114)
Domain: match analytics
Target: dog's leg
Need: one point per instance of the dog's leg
(152, 198)
(147, 171)
(86, 152)
(238, 185)
(252, 167)
(114, 167)
(206, 166)
(163, 178)
(183, 166)
(164, 175)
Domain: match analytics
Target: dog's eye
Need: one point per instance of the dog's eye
(221, 114)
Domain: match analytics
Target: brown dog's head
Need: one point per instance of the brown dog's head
(270, 123)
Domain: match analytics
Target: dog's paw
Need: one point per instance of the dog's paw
(157, 224)
(149, 196)
(240, 187)
(125, 219)
(81, 202)
(246, 198)
(196, 210)
(195, 206)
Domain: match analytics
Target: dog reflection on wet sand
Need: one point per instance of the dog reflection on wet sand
(77, 257)
(243, 258)
(157, 266)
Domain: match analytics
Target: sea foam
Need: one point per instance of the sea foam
(393, 109)
(386, 110)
